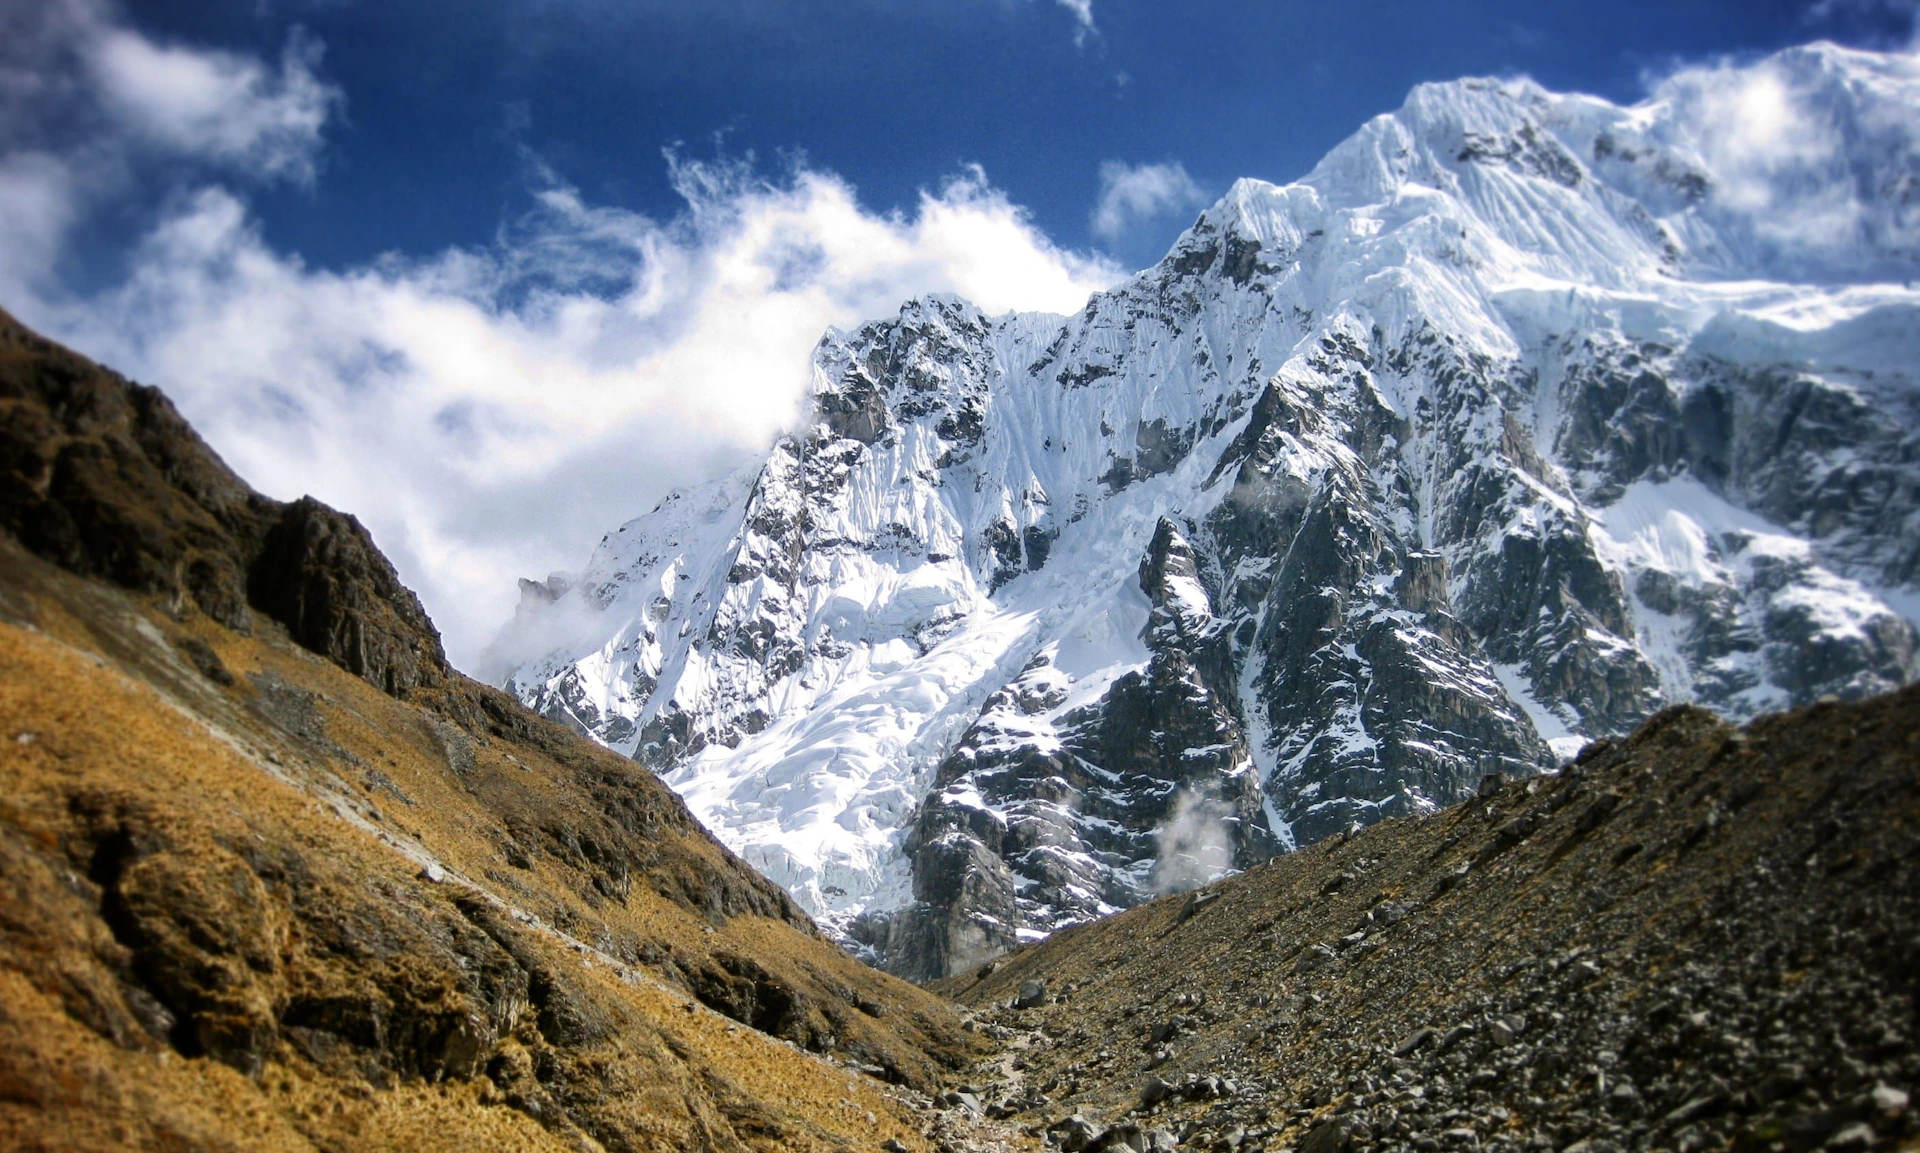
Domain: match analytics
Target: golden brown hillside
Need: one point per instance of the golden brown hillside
(276, 877)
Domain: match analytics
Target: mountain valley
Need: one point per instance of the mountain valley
(1426, 667)
(278, 879)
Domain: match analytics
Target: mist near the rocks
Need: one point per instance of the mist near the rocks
(1194, 846)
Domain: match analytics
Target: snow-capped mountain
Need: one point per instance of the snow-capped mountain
(1520, 417)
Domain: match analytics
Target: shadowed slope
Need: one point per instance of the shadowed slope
(1695, 937)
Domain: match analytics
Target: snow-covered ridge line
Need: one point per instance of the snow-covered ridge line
(1520, 417)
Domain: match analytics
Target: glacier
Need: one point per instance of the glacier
(1520, 417)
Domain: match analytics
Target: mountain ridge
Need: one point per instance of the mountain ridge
(1490, 437)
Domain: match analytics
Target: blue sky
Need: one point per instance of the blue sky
(446, 102)
(494, 275)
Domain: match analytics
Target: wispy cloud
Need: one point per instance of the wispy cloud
(87, 104)
(1083, 14)
(216, 106)
(488, 410)
(1194, 846)
(1136, 195)
(73, 70)
(1779, 139)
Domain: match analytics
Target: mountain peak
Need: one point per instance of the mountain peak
(1442, 461)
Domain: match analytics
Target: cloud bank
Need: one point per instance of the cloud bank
(489, 410)
(1775, 138)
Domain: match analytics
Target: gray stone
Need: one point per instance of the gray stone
(1414, 1041)
(1337, 1135)
(1315, 958)
(1695, 1109)
(1195, 903)
(1074, 1133)
(1155, 1091)
(1125, 1137)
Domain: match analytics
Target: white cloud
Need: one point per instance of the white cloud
(88, 104)
(489, 412)
(1812, 155)
(1131, 196)
(39, 205)
(215, 106)
(1755, 130)
(75, 69)
(1083, 13)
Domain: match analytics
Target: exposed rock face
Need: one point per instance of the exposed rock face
(1378, 699)
(1465, 449)
(104, 478)
(320, 575)
(1044, 816)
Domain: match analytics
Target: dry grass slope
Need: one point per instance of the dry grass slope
(276, 877)
(222, 933)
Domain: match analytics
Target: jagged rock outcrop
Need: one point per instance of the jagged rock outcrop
(105, 478)
(1487, 437)
(318, 573)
